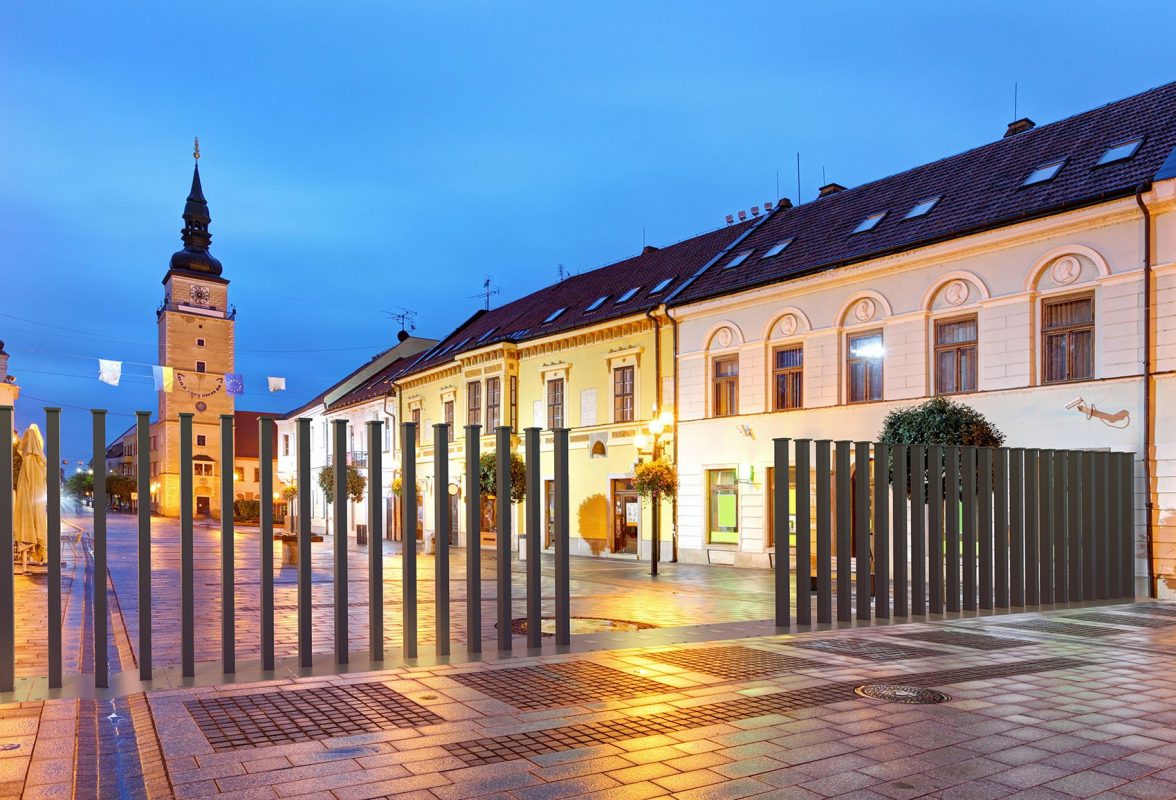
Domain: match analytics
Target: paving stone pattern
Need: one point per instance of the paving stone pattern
(555, 685)
(734, 663)
(1064, 628)
(1120, 619)
(868, 649)
(974, 641)
(257, 720)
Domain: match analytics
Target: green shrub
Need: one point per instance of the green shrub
(247, 510)
(939, 421)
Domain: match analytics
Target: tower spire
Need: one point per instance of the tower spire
(197, 239)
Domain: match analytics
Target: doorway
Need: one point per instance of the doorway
(489, 530)
(626, 516)
(549, 504)
(203, 506)
(454, 516)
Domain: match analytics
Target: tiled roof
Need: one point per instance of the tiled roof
(977, 189)
(526, 318)
(377, 385)
(246, 433)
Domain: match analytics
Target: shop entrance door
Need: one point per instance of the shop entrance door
(626, 516)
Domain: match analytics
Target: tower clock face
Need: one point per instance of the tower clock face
(199, 294)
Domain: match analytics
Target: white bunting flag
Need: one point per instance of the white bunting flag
(164, 378)
(277, 384)
(109, 371)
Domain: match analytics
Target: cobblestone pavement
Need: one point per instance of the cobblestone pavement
(1034, 713)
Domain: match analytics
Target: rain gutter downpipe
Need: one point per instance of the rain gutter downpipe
(1147, 384)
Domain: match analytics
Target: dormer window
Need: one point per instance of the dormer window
(869, 223)
(1044, 173)
(628, 295)
(738, 259)
(487, 335)
(661, 286)
(1120, 152)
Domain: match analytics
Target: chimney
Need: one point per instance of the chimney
(730, 219)
(1023, 124)
(649, 248)
(755, 211)
(742, 216)
(830, 188)
(784, 203)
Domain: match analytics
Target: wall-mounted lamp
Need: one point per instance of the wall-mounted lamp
(453, 489)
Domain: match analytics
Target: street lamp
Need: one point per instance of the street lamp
(650, 440)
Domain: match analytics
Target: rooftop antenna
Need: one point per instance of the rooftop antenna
(798, 200)
(823, 181)
(488, 291)
(1015, 88)
(642, 237)
(562, 273)
(406, 317)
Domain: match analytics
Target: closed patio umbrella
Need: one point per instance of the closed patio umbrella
(30, 495)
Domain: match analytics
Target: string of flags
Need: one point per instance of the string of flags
(166, 378)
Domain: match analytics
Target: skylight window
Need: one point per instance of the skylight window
(922, 207)
(1044, 173)
(869, 223)
(487, 334)
(597, 303)
(554, 315)
(628, 295)
(777, 248)
(738, 259)
(661, 286)
(519, 334)
(1120, 152)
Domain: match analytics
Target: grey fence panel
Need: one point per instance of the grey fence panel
(7, 542)
(143, 499)
(1000, 506)
(408, 568)
(563, 608)
(844, 532)
(534, 506)
(442, 524)
(53, 533)
(1127, 560)
(375, 521)
(804, 569)
(1045, 532)
(917, 472)
(101, 631)
(1102, 525)
(228, 557)
(1115, 525)
(473, 540)
(1032, 515)
(861, 539)
(305, 625)
(187, 555)
(1061, 492)
(881, 571)
(968, 457)
(951, 550)
(824, 534)
(1017, 506)
(1090, 561)
(898, 530)
(265, 449)
(935, 535)
(340, 503)
(984, 537)
(502, 536)
(1075, 498)
(781, 512)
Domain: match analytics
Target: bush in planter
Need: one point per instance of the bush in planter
(356, 483)
(488, 476)
(246, 510)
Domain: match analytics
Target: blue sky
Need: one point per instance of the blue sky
(363, 156)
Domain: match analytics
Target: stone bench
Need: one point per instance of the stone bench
(290, 546)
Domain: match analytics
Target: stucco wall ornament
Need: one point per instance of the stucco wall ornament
(1065, 270)
(864, 310)
(723, 337)
(788, 325)
(955, 293)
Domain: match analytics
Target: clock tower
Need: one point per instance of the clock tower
(195, 329)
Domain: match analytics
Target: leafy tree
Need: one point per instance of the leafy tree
(79, 485)
(939, 421)
(356, 483)
(246, 510)
(119, 489)
(488, 476)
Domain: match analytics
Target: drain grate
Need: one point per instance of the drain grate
(1063, 628)
(1119, 619)
(868, 649)
(898, 693)
(733, 663)
(974, 641)
(555, 685)
(1163, 611)
(303, 715)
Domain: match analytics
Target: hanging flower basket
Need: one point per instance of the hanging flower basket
(655, 479)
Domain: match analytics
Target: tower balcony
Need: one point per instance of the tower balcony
(229, 313)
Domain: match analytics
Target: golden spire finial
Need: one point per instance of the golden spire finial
(196, 152)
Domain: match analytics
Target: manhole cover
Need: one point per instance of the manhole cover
(581, 625)
(897, 693)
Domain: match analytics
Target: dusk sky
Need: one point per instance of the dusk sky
(360, 157)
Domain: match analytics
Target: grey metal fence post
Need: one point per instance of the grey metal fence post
(53, 533)
(1061, 518)
(824, 534)
(534, 503)
(1001, 527)
(265, 452)
(442, 524)
(187, 549)
(408, 576)
(101, 634)
(844, 531)
(228, 557)
(861, 539)
(984, 543)
(1075, 497)
(1045, 525)
(7, 539)
(143, 509)
(1102, 524)
(968, 458)
(1018, 510)
(305, 626)
(473, 497)
(935, 537)
(881, 571)
(342, 634)
(375, 515)
(1115, 527)
(781, 513)
(1127, 561)
(1032, 527)
(917, 475)
(899, 455)
(952, 512)
(563, 575)
(1090, 558)
(503, 534)
(804, 569)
